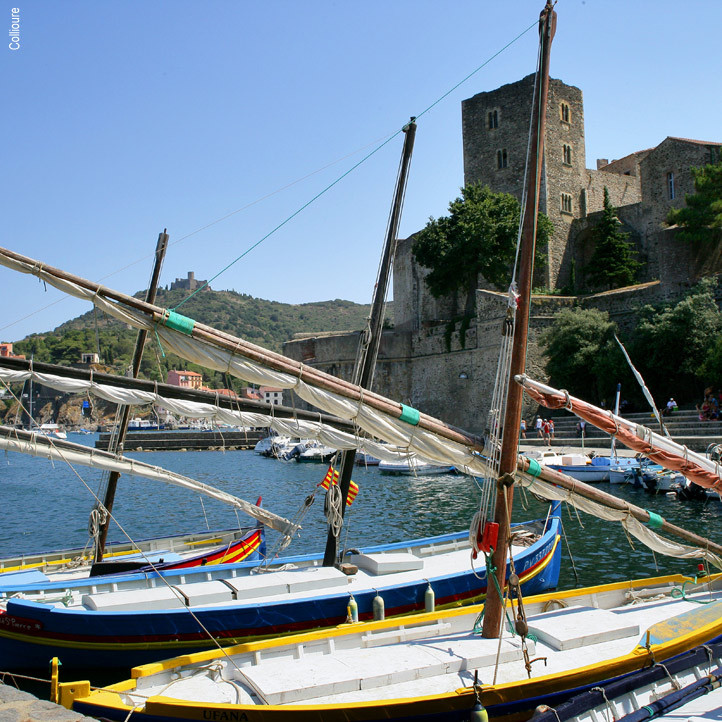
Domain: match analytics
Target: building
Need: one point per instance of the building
(271, 395)
(185, 379)
(89, 358)
(6, 351)
(429, 361)
(251, 394)
(643, 185)
(189, 284)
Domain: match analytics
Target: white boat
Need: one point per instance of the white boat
(52, 430)
(317, 453)
(413, 467)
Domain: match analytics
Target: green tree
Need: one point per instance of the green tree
(612, 264)
(675, 343)
(477, 237)
(701, 218)
(582, 355)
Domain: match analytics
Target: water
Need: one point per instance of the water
(45, 505)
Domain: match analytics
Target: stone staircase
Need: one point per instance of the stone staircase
(683, 425)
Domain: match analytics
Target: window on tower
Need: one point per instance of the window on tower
(670, 186)
(566, 206)
(493, 119)
(567, 154)
(565, 113)
(501, 158)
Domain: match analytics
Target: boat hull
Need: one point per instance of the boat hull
(512, 701)
(31, 633)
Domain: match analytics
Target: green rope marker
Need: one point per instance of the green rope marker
(178, 322)
(409, 415)
(534, 468)
(655, 520)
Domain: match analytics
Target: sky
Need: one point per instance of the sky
(225, 122)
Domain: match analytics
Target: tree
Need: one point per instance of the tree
(701, 218)
(675, 343)
(582, 355)
(612, 264)
(477, 238)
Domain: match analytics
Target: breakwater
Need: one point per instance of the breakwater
(186, 440)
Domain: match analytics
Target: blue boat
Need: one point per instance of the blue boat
(121, 621)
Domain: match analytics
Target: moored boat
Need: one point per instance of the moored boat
(122, 621)
(436, 666)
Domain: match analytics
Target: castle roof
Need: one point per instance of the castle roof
(692, 140)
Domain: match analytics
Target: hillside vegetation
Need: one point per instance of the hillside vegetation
(266, 323)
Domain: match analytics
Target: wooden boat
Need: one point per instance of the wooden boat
(681, 685)
(413, 467)
(432, 667)
(167, 552)
(122, 621)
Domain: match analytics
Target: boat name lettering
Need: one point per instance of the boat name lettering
(224, 715)
(14, 31)
(19, 623)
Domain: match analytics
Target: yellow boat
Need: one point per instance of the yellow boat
(431, 666)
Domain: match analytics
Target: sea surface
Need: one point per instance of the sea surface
(45, 505)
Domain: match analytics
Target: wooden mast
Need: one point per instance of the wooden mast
(494, 610)
(160, 249)
(371, 337)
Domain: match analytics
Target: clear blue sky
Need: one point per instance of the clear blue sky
(121, 118)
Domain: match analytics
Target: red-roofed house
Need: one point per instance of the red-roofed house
(271, 395)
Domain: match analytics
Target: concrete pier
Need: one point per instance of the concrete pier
(186, 440)
(19, 706)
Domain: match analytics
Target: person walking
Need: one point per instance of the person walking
(538, 426)
(522, 428)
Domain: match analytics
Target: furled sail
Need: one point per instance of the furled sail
(390, 421)
(696, 467)
(134, 392)
(33, 444)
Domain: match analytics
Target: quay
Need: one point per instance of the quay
(185, 441)
(19, 706)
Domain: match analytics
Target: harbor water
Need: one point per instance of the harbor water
(45, 505)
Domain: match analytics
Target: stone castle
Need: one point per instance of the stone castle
(451, 375)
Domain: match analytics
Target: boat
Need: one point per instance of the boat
(681, 685)
(413, 467)
(216, 546)
(52, 430)
(433, 667)
(317, 453)
(123, 621)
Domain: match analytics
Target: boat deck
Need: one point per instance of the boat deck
(425, 659)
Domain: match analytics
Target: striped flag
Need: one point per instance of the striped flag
(331, 479)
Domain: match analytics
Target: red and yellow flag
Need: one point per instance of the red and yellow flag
(331, 479)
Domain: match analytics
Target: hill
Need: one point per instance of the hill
(266, 323)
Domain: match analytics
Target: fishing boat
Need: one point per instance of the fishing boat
(682, 686)
(432, 667)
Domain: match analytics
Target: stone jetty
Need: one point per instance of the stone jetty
(19, 706)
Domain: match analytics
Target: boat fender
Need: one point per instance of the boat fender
(479, 713)
(379, 608)
(429, 599)
(352, 611)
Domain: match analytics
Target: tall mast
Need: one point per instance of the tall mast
(494, 611)
(160, 249)
(371, 336)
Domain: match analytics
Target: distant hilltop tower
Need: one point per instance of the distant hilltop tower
(188, 284)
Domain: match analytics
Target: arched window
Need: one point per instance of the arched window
(565, 113)
(493, 119)
(566, 206)
(501, 158)
(567, 154)
(670, 186)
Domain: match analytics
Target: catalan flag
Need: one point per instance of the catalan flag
(331, 478)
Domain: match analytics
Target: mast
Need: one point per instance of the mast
(371, 336)
(493, 614)
(160, 249)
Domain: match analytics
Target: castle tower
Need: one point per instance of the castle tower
(495, 127)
